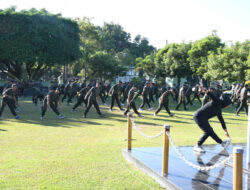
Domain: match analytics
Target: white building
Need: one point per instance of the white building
(131, 73)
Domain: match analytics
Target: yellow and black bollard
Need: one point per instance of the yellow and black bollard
(165, 150)
(237, 168)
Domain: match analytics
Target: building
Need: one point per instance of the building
(131, 73)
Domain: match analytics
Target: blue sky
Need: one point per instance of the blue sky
(158, 20)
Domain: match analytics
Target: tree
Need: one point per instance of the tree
(114, 38)
(200, 50)
(105, 66)
(176, 61)
(146, 65)
(35, 41)
(230, 63)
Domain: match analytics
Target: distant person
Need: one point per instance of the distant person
(81, 97)
(131, 101)
(243, 100)
(208, 111)
(92, 98)
(49, 102)
(196, 93)
(182, 96)
(145, 100)
(188, 95)
(9, 98)
(163, 102)
(115, 93)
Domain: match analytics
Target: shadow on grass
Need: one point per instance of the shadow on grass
(3, 130)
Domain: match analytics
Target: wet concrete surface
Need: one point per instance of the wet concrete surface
(186, 177)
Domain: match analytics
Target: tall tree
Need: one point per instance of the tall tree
(200, 50)
(35, 40)
(176, 61)
(114, 38)
(230, 63)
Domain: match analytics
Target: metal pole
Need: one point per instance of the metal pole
(129, 132)
(237, 168)
(165, 150)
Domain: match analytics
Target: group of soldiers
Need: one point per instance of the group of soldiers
(120, 93)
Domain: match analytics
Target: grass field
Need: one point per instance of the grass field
(78, 153)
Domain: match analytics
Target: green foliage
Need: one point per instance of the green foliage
(37, 40)
(146, 65)
(200, 50)
(176, 61)
(105, 66)
(231, 63)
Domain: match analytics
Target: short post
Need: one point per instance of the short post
(248, 139)
(165, 150)
(237, 168)
(129, 132)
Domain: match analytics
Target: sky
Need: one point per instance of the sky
(159, 21)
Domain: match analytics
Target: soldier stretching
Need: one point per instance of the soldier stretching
(196, 93)
(37, 95)
(49, 101)
(145, 97)
(9, 98)
(81, 95)
(115, 93)
(243, 100)
(163, 101)
(182, 97)
(131, 101)
(92, 98)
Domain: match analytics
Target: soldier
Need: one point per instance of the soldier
(126, 91)
(145, 97)
(9, 98)
(102, 93)
(107, 89)
(37, 94)
(115, 93)
(182, 93)
(176, 94)
(188, 95)
(234, 86)
(92, 98)
(67, 90)
(156, 89)
(243, 100)
(210, 110)
(163, 101)
(196, 93)
(81, 95)
(237, 96)
(131, 101)
(73, 90)
(49, 101)
(151, 92)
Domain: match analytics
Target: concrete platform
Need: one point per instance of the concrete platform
(181, 175)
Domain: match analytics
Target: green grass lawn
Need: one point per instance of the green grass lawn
(78, 153)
